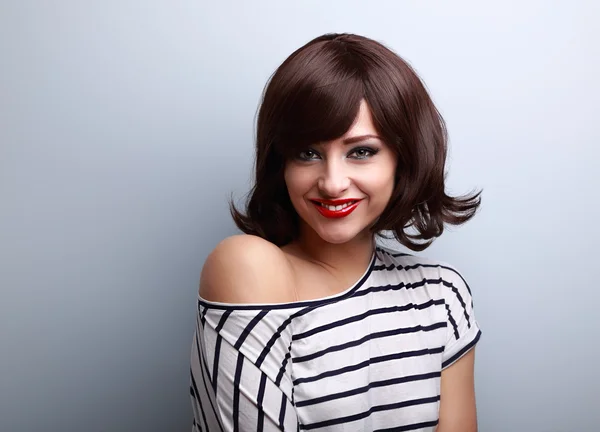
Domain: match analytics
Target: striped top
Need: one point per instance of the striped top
(367, 359)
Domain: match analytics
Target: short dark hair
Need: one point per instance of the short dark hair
(314, 96)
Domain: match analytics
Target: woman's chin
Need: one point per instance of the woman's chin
(337, 240)
(339, 236)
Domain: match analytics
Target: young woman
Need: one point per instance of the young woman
(305, 322)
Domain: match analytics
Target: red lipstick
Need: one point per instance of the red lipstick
(323, 207)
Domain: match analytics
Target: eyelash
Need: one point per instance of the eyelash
(370, 153)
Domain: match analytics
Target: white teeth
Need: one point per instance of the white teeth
(339, 207)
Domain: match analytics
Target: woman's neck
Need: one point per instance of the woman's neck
(346, 261)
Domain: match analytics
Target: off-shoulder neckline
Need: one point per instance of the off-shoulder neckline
(294, 304)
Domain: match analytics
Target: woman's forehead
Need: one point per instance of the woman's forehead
(361, 129)
(363, 123)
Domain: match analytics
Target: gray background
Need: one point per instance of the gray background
(125, 125)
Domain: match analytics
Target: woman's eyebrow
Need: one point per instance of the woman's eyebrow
(354, 139)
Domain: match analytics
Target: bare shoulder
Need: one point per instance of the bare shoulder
(246, 269)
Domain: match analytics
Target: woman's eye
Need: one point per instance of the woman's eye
(308, 155)
(362, 153)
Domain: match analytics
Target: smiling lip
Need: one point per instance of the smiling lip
(332, 213)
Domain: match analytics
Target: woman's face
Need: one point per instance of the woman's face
(339, 188)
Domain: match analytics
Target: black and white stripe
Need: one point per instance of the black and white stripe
(367, 359)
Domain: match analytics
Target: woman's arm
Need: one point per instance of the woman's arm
(457, 396)
(246, 269)
(457, 392)
(233, 394)
(230, 390)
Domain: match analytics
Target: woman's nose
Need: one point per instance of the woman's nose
(334, 180)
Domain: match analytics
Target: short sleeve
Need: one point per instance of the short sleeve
(462, 331)
(234, 387)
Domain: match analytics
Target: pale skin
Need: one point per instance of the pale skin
(330, 255)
